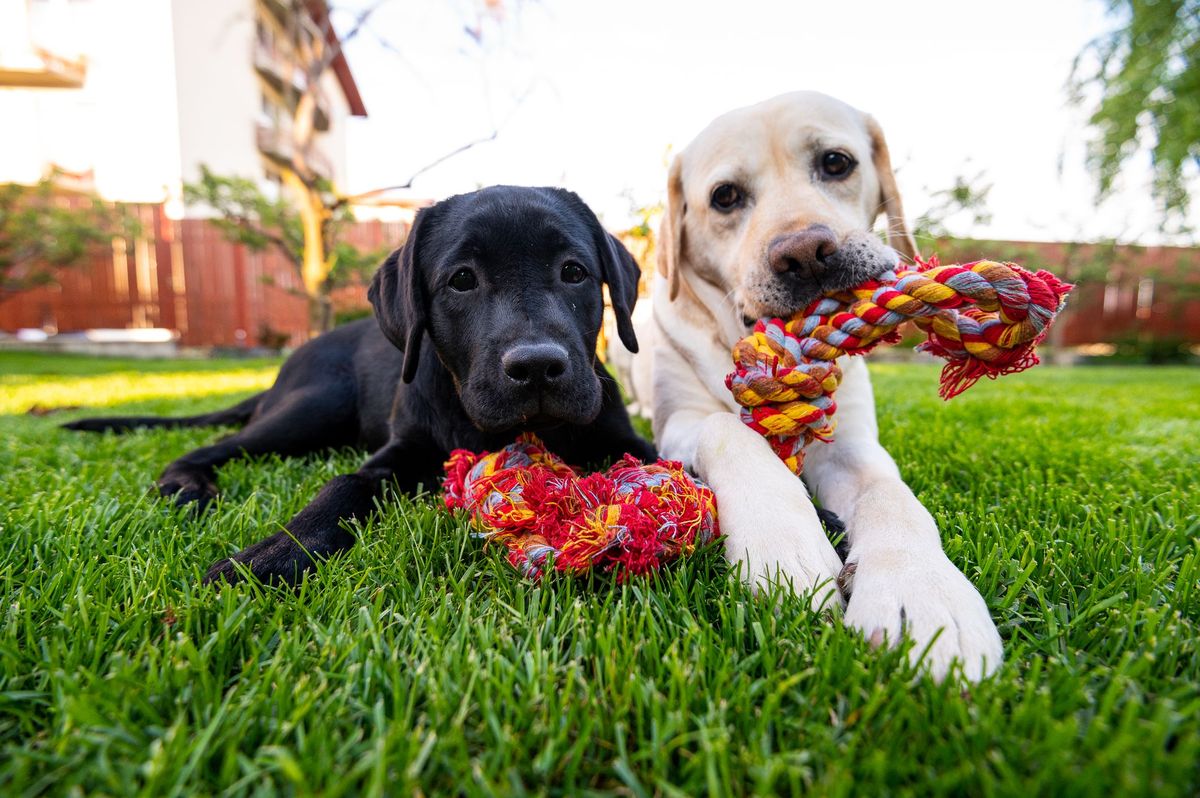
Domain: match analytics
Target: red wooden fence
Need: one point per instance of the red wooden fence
(183, 275)
(1122, 292)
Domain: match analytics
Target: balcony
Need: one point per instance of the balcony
(286, 79)
(277, 70)
(40, 69)
(275, 144)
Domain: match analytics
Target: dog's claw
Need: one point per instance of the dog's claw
(922, 596)
(845, 579)
(189, 489)
(222, 572)
(278, 561)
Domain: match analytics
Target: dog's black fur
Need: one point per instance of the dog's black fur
(514, 352)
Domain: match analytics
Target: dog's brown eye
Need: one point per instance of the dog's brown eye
(726, 197)
(463, 280)
(572, 272)
(836, 164)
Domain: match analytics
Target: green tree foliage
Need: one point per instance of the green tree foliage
(246, 215)
(965, 201)
(43, 229)
(1147, 73)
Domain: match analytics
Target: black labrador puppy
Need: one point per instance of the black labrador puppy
(505, 283)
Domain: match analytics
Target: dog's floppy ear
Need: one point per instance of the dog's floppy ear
(398, 296)
(670, 232)
(898, 237)
(622, 273)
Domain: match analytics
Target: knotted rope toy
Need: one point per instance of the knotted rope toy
(984, 318)
(629, 519)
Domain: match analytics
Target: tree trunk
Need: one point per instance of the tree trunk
(320, 315)
(314, 267)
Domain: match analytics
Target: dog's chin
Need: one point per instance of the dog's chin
(496, 414)
(775, 301)
(776, 297)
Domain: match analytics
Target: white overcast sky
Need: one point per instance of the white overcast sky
(594, 95)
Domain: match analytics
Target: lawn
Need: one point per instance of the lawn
(421, 664)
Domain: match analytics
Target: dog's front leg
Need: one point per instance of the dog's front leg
(318, 531)
(898, 578)
(770, 527)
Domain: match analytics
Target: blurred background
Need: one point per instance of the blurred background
(191, 176)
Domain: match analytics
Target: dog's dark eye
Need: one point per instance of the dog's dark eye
(572, 272)
(836, 164)
(463, 280)
(726, 197)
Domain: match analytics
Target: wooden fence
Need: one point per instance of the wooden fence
(1123, 293)
(183, 275)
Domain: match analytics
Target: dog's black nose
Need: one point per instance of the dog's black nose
(535, 364)
(804, 254)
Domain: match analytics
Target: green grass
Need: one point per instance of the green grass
(420, 663)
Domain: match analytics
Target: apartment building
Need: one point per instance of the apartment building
(129, 97)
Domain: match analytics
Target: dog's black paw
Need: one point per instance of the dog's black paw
(835, 530)
(192, 489)
(643, 450)
(278, 561)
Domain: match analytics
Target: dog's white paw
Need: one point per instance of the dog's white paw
(808, 574)
(770, 526)
(919, 593)
(786, 547)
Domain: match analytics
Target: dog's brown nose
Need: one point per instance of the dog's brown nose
(803, 254)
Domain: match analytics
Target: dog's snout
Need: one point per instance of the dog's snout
(803, 254)
(535, 365)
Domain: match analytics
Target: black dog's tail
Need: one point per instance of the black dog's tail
(238, 414)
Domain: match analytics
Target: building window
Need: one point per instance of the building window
(268, 110)
(263, 33)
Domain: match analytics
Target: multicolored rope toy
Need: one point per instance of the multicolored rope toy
(984, 318)
(629, 519)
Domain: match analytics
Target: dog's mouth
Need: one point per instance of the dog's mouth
(776, 302)
(501, 411)
(539, 421)
(773, 295)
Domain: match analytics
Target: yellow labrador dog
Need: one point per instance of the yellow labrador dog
(770, 206)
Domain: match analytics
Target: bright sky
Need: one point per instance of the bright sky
(594, 95)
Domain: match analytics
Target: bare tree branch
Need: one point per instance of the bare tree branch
(436, 162)
(350, 200)
(325, 28)
(388, 46)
